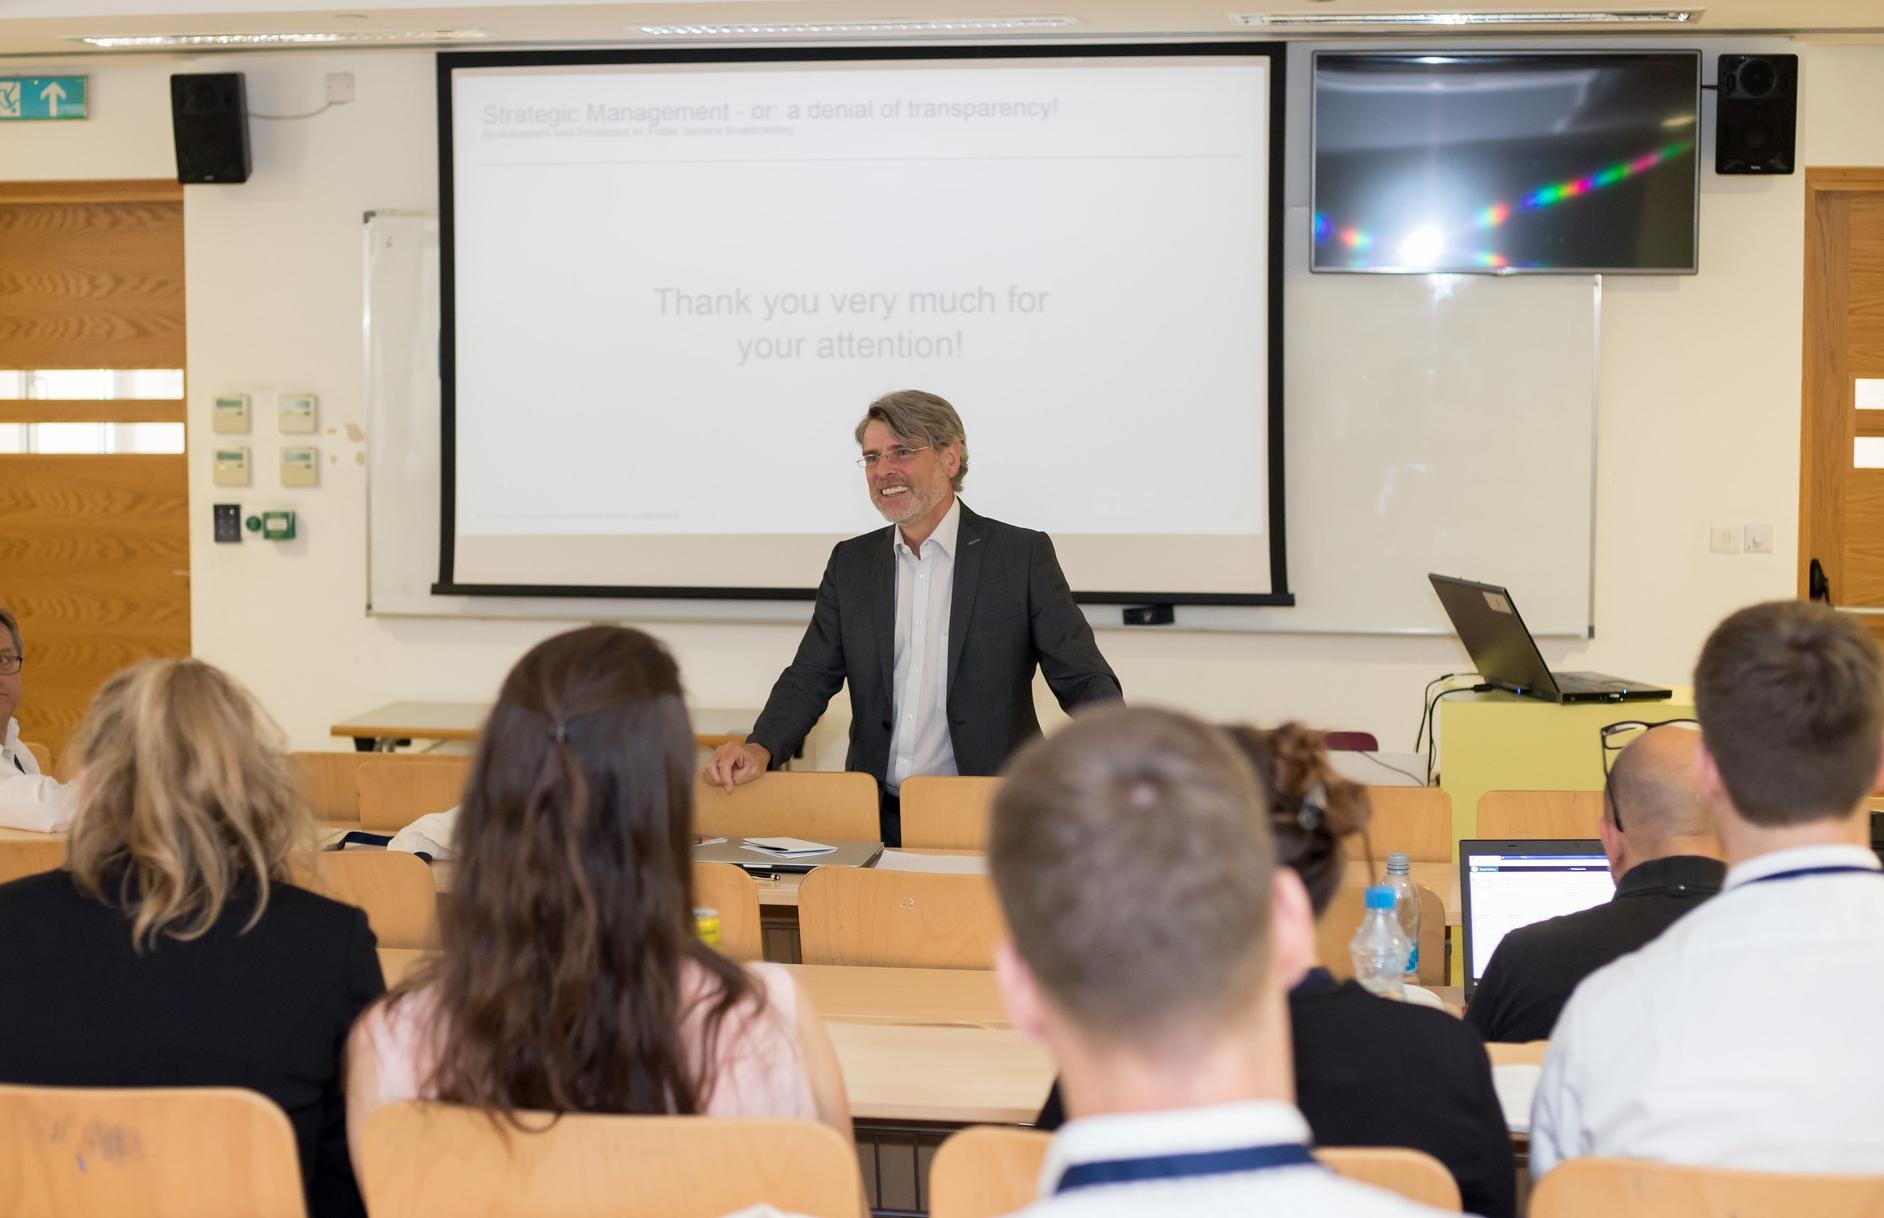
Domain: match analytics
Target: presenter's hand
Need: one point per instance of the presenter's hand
(732, 764)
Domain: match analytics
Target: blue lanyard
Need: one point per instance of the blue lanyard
(1171, 1167)
(1805, 871)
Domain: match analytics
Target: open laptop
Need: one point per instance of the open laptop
(733, 850)
(1507, 884)
(1506, 655)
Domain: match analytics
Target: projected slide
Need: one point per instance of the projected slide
(677, 285)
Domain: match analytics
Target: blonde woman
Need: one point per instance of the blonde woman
(173, 948)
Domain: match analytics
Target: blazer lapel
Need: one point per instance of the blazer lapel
(883, 609)
(970, 546)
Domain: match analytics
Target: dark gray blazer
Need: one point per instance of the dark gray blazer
(1010, 612)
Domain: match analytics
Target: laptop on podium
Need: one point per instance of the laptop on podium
(1501, 646)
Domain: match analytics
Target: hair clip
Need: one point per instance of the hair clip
(559, 732)
(1312, 809)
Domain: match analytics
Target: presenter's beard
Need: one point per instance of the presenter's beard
(901, 509)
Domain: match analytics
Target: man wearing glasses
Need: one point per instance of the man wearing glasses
(937, 623)
(28, 799)
(1660, 841)
(1746, 1036)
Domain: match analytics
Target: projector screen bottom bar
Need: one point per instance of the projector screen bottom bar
(599, 591)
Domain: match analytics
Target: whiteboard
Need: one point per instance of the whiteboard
(1433, 423)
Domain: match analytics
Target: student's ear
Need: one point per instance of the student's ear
(1020, 993)
(1877, 779)
(1708, 775)
(1291, 928)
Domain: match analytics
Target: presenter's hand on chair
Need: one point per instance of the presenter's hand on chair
(732, 764)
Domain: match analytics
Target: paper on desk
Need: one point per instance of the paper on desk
(940, 864)
(1516, 1085)
(788, 847)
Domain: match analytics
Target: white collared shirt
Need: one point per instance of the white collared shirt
(1745, 1036)
(29, 799)
(919, 738)
(1311, 1192)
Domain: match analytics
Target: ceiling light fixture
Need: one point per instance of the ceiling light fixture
(144, 42)
(962, 25)
(1669, 16)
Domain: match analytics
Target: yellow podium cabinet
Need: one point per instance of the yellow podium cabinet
(1503, 742)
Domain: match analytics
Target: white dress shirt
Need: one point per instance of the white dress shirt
(1297, 1192)
(29, 799)
(919, 740)
(1745, 1036)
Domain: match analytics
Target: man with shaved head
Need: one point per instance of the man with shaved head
(1659, 837)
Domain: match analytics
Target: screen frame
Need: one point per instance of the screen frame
(451, 61)
(1694, 54)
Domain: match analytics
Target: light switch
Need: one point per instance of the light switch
(230, 415)
(232, 466)
(301, 466)
(298, 414)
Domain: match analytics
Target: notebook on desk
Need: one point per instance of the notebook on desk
(1507, 884)
(1506, 655)
(734, 851)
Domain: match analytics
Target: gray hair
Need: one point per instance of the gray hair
(13, 628)
(914, 415)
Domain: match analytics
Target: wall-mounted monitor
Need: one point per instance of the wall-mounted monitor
(1506, 161)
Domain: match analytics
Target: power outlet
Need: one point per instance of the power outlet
(1759, 539)
(1723, 538)
(339, 88)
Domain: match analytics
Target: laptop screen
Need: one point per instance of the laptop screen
(1508, 884)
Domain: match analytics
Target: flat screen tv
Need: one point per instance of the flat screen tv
(1506, 161)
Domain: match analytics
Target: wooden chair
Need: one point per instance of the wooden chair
(947, 812)
(732, 892)
(395, 791)
(394, 888)
(1629, 1188)
(1413, 1174)
(1417, 820)
(328, 781)
(1343, 917)
(440, 1161)
(41, 754)
(907, 919)
(1539, 814)
(148, 1152)
(1516, 1053)
(989, 1171)
(23, 857)
(820, 805)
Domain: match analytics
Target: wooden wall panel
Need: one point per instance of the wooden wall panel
(94, 558)
(96, 285)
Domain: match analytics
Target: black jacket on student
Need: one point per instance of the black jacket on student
(1373, 1072)
(267, 1009)
(1535, 968)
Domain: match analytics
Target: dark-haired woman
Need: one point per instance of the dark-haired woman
(572, 979)
(1368, 1071)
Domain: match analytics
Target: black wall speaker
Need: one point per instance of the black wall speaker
(209, 114)
(1758, 103)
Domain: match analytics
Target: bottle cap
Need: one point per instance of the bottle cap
(1379, 896)
(1398, 861)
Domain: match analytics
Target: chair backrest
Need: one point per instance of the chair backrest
(25, 857)
(810, 804)
(440, 1161)
(148, 1152)
(41, 754)
(1516, 1053)
(1630, 1188)
(395, 791)
(989, 1171)
(1350, 742)
(1343, 917)
(1417, 820)
(986, 1171)
(394, 888)
(1539, 814)
(1413, 1174)
(908, 919)
(947, 812)
(731, 891)
(329, 783)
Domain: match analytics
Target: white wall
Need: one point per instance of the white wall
(1699, 420)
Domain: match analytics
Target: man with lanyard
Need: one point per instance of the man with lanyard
(937, 624)
(1746, 1036)
(1160, 992)
(28, 799)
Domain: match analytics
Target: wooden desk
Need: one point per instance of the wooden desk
(968, 1076)
(380, 726)
(933, 997)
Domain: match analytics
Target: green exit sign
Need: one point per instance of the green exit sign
(42, 98)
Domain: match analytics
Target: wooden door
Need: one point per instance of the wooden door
(94, 548)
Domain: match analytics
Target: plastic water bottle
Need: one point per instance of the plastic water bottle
(1379, 947)
(1406, 904)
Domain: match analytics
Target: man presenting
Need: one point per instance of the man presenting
(937, 623)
